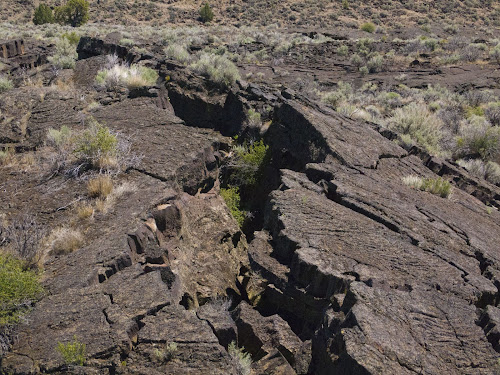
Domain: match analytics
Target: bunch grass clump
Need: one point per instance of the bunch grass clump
(132, 76)
(94, 148)
(436, 186)
(100, 186)
(73, 352)
(84, 211)
(167, 353)
(65, 240)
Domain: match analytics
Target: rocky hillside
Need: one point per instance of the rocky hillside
(311, 14)
(258, 218)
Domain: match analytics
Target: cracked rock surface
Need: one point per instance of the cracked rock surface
(349, 271)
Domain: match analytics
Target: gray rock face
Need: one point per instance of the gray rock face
(260, 336)
(350, 271)
(384, 278)
(154, 248)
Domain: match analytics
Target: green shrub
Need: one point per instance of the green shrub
(74, 13)
(436, 186)
(431, 44)
(242, 361)
(495, 53)
(19, 288)
(231, 196)
(95, 144)
(218, 69)
(492, 113)
(426, 28)
(206, 13)
(65, 55)
(417, 122)
(94, 147)
(343, 92)
(254, 118)
(474, 111)
(72, 37)
(73, 353)
(148, 76)
(365, 46)
(43, 14)
(375, 63)
(61, 137)
(490, 170)
(249, 161)
(364, 70)
(343, 50)
(487, 144)
(5, 84)
(127, 42)
(369, 27)
(356, 60)
(478, 139)
(451, 29)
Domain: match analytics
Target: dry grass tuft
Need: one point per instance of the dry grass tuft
(101, 205)
(65, 240)
(84, 211)
(100, 186)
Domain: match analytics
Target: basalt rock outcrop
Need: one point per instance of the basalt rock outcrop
(350, 271)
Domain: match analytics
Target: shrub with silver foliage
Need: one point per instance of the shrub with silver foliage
(421, 125)
(490, 170)
(65, 56)
(5, 84)
(242, 361)
(177, 52)
(218, 69)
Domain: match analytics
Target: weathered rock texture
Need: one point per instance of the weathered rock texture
(350, 272)
(383, 278)
(154, 248)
